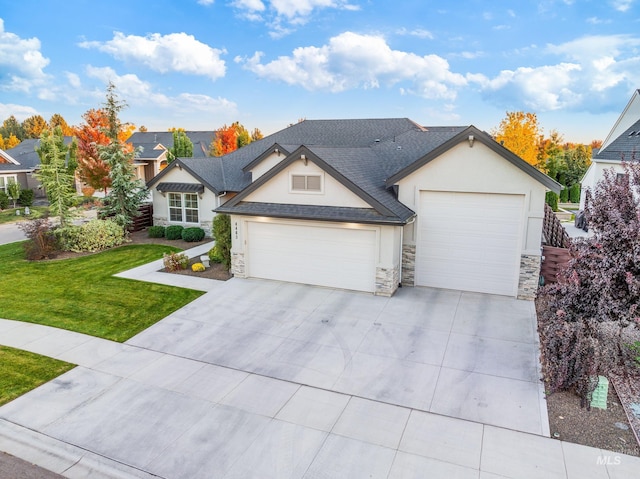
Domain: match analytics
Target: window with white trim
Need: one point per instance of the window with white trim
(6, 180)
(183, 207)
(306, 183)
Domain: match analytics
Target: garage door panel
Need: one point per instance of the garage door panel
(469, 241)
(325, 256)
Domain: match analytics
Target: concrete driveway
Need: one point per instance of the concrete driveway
(267, 379)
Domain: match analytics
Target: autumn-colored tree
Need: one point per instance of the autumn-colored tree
(57, 120)
(142, 129)
(11, 126)
(519, 132)
(91, 169)
(225, 142)
(34, 126)
(8, 143)
(596, 144)
(256, 135)
(230, 138)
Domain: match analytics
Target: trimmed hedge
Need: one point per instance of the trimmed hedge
(96, 235)
(192, 234)
(156, 231)
(552, 200)
(173, 232)
(574, 193)
(26, 197)
(564, 195)
(4, 200)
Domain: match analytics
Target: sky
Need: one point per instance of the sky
(200, 64)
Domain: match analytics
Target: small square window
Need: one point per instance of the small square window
(311, 183)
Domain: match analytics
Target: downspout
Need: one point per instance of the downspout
(219, 203)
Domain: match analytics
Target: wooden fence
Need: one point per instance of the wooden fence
(145, 219)
(555, 250)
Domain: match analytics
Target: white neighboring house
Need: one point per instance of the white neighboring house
(622, 144)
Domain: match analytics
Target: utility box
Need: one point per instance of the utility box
(599, 397)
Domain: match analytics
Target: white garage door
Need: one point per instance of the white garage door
(469, 241)
(325, 256)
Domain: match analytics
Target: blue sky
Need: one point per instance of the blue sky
(198, 64)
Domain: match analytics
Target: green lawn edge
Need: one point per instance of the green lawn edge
(82, 295)
(21, 371)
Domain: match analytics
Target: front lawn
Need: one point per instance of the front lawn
(22, 371)
(9, 215)
(81, 294)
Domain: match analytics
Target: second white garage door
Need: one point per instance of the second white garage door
(324, 256)
(469, 241)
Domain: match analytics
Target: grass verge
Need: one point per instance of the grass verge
(81, 294)
(22, 371)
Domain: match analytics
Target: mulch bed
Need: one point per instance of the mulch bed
(215, 271)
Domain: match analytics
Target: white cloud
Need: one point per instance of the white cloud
(21, 112)
(137, 92)
(205, 2)
(280, 13)
(175, 52)
(352, 61)
(73, 79)
(21, 62)
(622, 5)
(418, 32)
(590, 68)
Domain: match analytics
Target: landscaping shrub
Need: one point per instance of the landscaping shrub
(552, 200)
(214, 255)
(564, 195)
(198, 267)
(591, 314)
(96, 235)
(4, 200)
(41, 241)
(156, 231)
(88, 191)
(175, 261)
(173, 232)
(574, 193)
(14, 189)
(26, 197)
(192, 234)
(222, 237)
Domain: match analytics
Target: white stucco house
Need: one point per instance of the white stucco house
(622, 144)
(370, 205)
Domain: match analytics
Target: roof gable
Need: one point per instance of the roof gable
(473, 134)
(306, 154)
(194, 169)
(626, 147)
(629, 116)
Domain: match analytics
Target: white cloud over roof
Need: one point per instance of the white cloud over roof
(21, 62)
(175, 52)
(352, 60)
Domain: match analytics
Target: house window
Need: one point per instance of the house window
(306, 183)
(183, 207)
(6, 180)
(622, 177)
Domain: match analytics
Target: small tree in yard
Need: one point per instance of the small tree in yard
(589, 317)
(126, 193)
(14, 189)
(57, 170)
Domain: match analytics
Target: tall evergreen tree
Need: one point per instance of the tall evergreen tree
(57, 172)
(182, 146)
(126, 193)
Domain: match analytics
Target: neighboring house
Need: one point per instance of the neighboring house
(153, 147)
(20, 162)
(622, 144)
(369, 204)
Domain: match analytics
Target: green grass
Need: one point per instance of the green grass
(21, 371)
(81, 294)
(9, 215)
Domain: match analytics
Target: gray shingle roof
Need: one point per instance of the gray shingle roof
(149, 139)
(626, 147)
(361, 154)
(181, 187)
(25, 154)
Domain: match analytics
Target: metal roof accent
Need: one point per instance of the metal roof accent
(180, 187)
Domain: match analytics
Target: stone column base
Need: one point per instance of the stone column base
(237, 265)
(529, 276)
(408, 264)
(387, 281)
